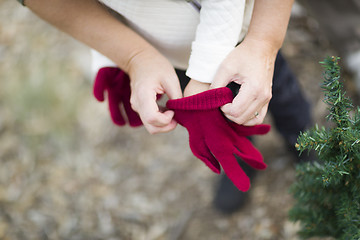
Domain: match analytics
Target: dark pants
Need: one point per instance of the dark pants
(288, 106)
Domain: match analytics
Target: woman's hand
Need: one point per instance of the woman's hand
(152, 74)
(251, 65)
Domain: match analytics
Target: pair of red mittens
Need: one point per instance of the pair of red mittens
(212, 137)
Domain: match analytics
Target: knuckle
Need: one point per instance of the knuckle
(152, 131)
(235, 113)
(134, 103)
(225, 67)
(228, 68)
(261, 94)
(256, 93)
(258, 120)
(151, 120)
(239, 120)
(267, 96)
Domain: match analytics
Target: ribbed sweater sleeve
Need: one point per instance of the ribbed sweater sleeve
(216, 35)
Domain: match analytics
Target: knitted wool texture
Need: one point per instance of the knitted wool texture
(214, 139)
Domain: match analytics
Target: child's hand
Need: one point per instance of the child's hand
(251, 65)
(195, 87)
(152, 74)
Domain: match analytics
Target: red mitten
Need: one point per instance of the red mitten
(117, 84)
(214, 139)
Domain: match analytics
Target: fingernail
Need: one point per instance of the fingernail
(169, 113)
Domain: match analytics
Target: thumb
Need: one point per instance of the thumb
(172, 89)
(222, 77)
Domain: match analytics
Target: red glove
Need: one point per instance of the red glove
(214, 139)
(117, 84)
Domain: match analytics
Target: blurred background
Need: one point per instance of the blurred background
(68, 173)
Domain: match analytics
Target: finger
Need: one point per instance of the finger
(153, 129)
(239, 110)
(143, 101)
(172, 89)
(250, 130)
(245, 105)
(235, 173)
(201, 151)
(249, 154)
(248, 117)
(114, 108)
(257, 119)
(160, 119)
(101, 82)
(253, 114)
(156, 121)
(222, 77)
(99, 86)
(133, 117)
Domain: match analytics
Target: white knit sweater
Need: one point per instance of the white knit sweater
(195, 41)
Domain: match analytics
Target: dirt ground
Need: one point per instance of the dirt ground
(68, 173)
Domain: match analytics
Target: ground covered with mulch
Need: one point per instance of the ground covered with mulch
(68, 173)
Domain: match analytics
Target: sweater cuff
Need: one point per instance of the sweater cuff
(205, 60)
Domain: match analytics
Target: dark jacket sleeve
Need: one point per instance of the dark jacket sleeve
(22, 2)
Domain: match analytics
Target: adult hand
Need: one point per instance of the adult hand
(152, 74)
(251, 65)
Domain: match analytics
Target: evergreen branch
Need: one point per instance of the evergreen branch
(339, 104)
(328, 193)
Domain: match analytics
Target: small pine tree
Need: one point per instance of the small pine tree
(327, 192)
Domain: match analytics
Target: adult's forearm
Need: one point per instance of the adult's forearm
(91, 23)
(269, 22)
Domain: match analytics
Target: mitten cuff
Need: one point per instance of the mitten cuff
(207, 100)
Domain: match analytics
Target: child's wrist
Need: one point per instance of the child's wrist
(195, 87)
